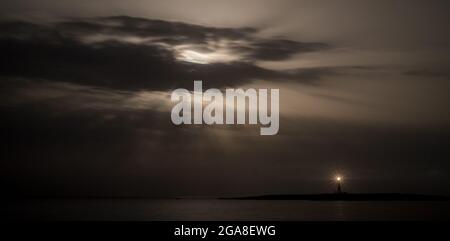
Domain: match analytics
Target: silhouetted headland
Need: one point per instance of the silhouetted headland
(349, 197)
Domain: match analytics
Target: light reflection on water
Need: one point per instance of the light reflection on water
(226, 210)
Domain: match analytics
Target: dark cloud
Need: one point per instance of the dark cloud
(428, 73)
(110, 64)
(165, 31)
(57, 52)
(280, 49)
(182, 33)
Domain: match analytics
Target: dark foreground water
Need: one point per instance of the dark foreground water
(222, 210)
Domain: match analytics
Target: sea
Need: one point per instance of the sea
(141, 209)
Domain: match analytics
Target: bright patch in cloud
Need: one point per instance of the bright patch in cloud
(219, 56)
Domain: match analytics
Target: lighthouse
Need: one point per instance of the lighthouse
(339, 184)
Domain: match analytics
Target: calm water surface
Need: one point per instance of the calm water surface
(226, 210)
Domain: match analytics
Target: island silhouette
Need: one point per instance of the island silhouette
(340, 195)
(343, 196)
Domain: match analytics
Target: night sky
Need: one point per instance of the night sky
(85, 96)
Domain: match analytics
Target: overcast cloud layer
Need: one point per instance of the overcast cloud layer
(85, 90)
